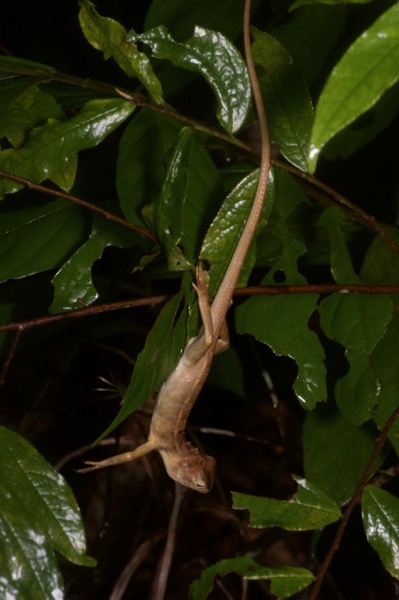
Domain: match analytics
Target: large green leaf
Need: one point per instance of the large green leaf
(282, 321)
(300, 3)
(212, 55)
(225, 230)
(380, 512)
(284, 582)
(364, 73)
(336, 452)
(73, 284)
(110, 37)
(309, 508)
(40, 238)
(38, 516)
(51, 148)
(357, 322)
(287, 99)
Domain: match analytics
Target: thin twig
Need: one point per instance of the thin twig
(10, 355)
(75, 200)
(355, 500)
(124, 578)
(161, 578)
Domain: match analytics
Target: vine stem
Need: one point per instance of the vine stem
(355, 500)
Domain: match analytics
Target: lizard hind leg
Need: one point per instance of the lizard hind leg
(119, 458)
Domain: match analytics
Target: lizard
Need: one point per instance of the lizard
(183, 462)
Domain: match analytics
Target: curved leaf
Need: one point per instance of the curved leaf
(50, 149)
(284, 582)
(38, 515)
(212, 55)
(380, 513)
(365, 72)
(309, 508)
(110, 37)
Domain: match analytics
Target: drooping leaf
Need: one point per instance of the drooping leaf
(336, 452)
(225, 231)
(73, 284)
(158, 358)
(287, 99)
(38, 516)
(282, 321)
(212, 55)
(284, 582)
(110, 37)
(39, 238)
(357, 322)
(333, 219)
(51, 148)
(309, 508)
(364, 73)
(380, 512)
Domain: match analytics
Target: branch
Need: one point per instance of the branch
(92, 207)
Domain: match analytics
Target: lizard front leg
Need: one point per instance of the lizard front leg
(119, 458)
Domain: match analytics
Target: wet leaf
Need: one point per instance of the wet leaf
(38, 516)
(284, 582)
(380, 512)
(212, 55)
(309, 508)
(364, 73)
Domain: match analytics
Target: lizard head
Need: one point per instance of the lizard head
(190, 468)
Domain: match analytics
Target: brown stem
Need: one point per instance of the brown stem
(355, 500)
(10, 355)
(92, 207)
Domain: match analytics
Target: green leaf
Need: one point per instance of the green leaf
(51, 148)
(357, 322)
(225, 231)
(333, 219)
(163, 347)
(380, 513)
(309, 508)
(282, 321)
(365, 72)
(284, 582)
(212, 55)
(27, 108)
(110, 37)
(170, 208)
(40, 238)
(287, 99)
(38, 516)
(73, 284)
(336, 452)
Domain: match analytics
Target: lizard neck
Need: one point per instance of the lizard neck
(222, 300)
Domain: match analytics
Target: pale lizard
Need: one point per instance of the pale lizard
(183, 462)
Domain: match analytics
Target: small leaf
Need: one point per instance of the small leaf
(287, 99)
(73, 285)
(357, 322)
(380, 512)
(284, 582)
(38, 515)
(336, 452)
(365, 72)
(309, 508)
(158, 358)
(225, 231)
(51, 148)
(110, 37)
(39, 238)
(340, 260)
(212, 55)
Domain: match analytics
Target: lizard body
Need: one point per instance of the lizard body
(183, 462)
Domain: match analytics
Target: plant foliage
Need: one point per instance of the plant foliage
(115, 181)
